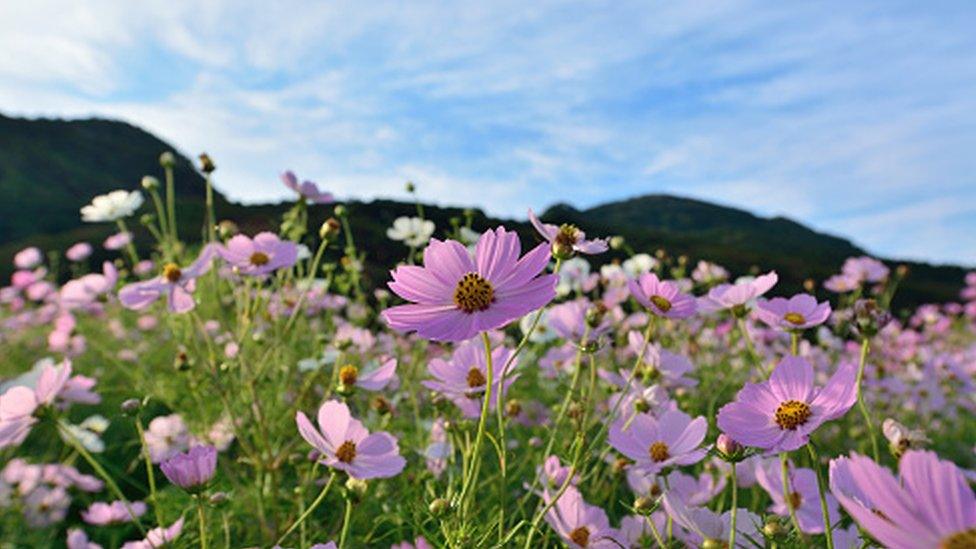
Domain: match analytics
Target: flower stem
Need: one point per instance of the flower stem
(473, 471)
(171, 207)
(750, 346)
(795, 343)
(310, 510)
(822, 492)
(129, 247)
(787, 493)
(735, 505)
(202, 522)
(150, 474)
(865, 347)
(345, 523)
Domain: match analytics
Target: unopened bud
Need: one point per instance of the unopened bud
(773, 527)
(227, 229)
(439, 507)
(410, 187)
(207, 165)
(644, 505)
(356, 489)
(218, 499)
(131, 406)
(330, 229)
(167, 159)
(150, 183)
(727, 445)
(513, 408)
(182, 361)
(595, 314)
(713, 544)
(660, 253)
(617, 242)
(381, 405)
(146, 219)
(869, 317)
(339, 211)
(810, 285)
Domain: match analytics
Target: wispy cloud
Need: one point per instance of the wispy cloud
(857, 119)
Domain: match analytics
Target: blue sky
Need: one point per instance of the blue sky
(856, 118)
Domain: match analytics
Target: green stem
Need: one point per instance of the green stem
(346, 516)
(865, 347)
(735, 505)
(202, 522)
(794, 343)
(787, 493)
(750, 346)
(129, 247)
(211, 221)
(310, 510)
(150, 474)
(822, 492)
(171, 206)
(473, 471)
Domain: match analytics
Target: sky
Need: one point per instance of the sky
(855, 118)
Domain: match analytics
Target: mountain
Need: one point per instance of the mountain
(50, 168)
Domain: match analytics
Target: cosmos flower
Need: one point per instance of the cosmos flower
(157, 537)
(738, 295)
(78, 539)
(568, 320)
(376, 379)
(455, 297)
(929, 505)
(175, 283)
(901, 438)
(780, 413)
(580, 524)
(568, 237)
(306, 189)
(85, 290)
(112, 206)
(796, 313)
(263, 254)
(804, 495)
(78, 251)
(54, 386)
(117, 241)
(101, 513)
(28, 258)
(419, 543)
(166, 436)
(463, 379)
(702, 525)
(412, 231)
(662, 298)
(654, 444)
(864, 268)
(193, 469)
(639, 264)
(346, 445)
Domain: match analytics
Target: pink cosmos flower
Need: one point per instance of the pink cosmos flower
(865, 269)
(568, 236)
(307, 190)
(657, 443)
(175, 283)
(804, 495)
(28, 258)
(346, 445)
(661, 297)
(261, 255)
(157, 537)
(166, 436)
(580, 524)
(463, 379)
(101, 513)
(456, 297)
(439, 449)
(841, 283)
(419, 543)
(740, 294)
(84, 291)
(193, 469)
(117, 241)
(796, 313)
(929, 505)
(635, 532)
(704, 525)
(568, 320)
(78, 252)
(375, 380)
(780, 413)
(78, 539)
(554, 474)
(54, 386)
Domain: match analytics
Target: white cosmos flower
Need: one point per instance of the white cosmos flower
(112, 206)
(412, 231)
(638, 265)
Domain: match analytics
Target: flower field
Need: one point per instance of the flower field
(249, 390)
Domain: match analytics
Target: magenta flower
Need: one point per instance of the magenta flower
(157, 537)
(456, 297)
(580, 524)
(661, 297)
(804, 495)
(28, 258)
(78, 252)
(657, 443)
(175, 283)
(118, 241)
(703, 525)
(796, 313)
(464, 378)
(101, 513)
(865, 269)
(929, 505)
(374, 380)
(307, 189)
(193, 469)
(261, 255)
(568, 237)
(740, 294)
(346, 445)
(779, 414)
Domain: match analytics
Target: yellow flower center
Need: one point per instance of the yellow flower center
(659, 451)
(172, 273)
(476, 378)
(473, 293)
(568, 235)
(348, 375)
(661, 303)
(259, 259)
(960, 540)
(791, 414)
(346, 452)
(580, 536)
(795, 319)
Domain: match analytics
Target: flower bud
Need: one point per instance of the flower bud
(339, 211)
(869, 317)
(617, 242)
(595, 314)
(146, 219)
(513, 407)
(439, 507)
(644, 505)
(773, 527)
(381, 405)
(207, 164)
(150, 183)
(167, 159)
(218, 499)
(728, 446)
(131, 406)
(330, 229)
(227, 229)
(410, 187)
(713, 544)
(356, 489)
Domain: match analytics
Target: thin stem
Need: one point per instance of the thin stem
(735, 505)
(750, 346)
(475, 467)
(794, 343)
(822, 492)
(346, 516)
(865, 347)
(787, 493)
(562, 490)
(101, 472)
(129, 247)
(171, 207)
(310, 510)
(202, 522)
(211, 221)
(150, 473)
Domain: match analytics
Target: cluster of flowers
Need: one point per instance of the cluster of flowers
(680, 386)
